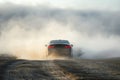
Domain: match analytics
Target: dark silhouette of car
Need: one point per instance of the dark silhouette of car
(60, 48)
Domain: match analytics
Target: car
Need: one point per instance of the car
(61, 48)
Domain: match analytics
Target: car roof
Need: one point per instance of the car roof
(59, 42)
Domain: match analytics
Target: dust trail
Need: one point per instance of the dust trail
(24, 31)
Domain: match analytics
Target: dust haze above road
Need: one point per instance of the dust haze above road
(24, 30)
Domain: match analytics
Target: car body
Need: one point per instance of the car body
(60, 48)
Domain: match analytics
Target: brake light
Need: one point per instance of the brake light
(67, 46)
(51, 46)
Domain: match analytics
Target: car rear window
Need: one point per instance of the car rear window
(59, 42)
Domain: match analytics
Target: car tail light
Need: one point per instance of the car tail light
(67, 46)
(51, 46)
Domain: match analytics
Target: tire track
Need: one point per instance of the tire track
(54, 70)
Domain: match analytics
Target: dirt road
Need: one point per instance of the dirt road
(70, 69)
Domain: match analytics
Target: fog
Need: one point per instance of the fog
(24, 31)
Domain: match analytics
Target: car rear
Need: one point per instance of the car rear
(60, 48)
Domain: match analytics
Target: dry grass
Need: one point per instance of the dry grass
(68, 69)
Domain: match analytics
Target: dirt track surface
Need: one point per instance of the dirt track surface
(69, 69)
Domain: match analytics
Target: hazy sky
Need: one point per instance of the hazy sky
(92, 26)
(113, 5)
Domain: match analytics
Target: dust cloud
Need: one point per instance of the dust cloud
(24, 31)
